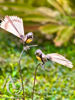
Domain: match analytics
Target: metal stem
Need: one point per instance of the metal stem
(21, 73)
(34, 81)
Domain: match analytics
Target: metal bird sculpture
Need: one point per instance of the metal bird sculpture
(54, 57)
(14, 25)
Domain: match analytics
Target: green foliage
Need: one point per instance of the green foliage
(48, 28)
(53, 12)
(51, 18)
(55, 82)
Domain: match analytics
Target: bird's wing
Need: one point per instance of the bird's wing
(59, 59)
(14, 25)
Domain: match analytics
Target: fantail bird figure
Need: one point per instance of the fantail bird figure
(54, 57)
(14, 25)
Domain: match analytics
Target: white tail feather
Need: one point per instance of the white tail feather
(59, 59)
(13, 24)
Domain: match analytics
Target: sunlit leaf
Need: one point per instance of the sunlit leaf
(47, 11)
(65, 5)
(50, 28)
(16, 6)
(55, 4)
(38, 18)
(64, 35)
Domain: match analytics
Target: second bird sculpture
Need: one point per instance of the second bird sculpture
(54, 57)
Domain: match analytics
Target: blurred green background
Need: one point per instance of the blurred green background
(53, 25)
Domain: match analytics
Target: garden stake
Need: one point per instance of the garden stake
(35, 80)
(14, 25)
(54, 57)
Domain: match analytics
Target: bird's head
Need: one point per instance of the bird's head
(38, 54)
(29, 38)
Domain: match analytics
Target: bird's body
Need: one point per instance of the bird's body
(40, 56)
